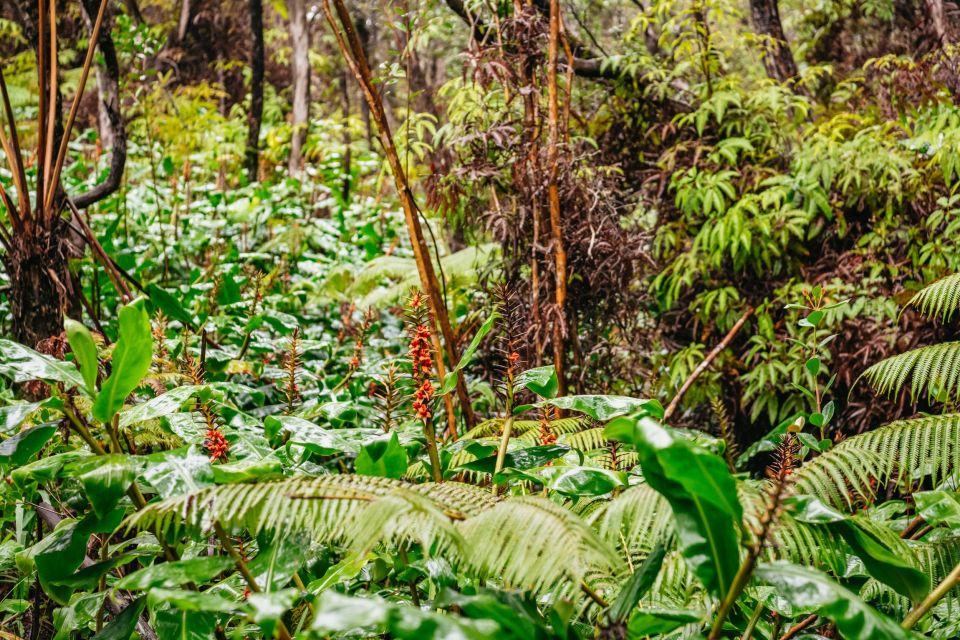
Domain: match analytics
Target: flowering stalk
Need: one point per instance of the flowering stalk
(421, 364)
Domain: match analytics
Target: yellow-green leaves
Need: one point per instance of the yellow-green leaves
(131, 361)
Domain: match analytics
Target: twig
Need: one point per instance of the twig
(800, 626)
(703, 366)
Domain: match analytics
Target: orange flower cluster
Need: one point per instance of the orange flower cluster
(421, 400)
(357, 353)
(546, 435)
(216, 445)
(420, 352)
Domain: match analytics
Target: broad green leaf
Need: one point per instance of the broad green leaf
(88, 577)
(179, 572)
(806, 587)
(450, 380)
(879, 561)
(84, 352)
(636, 586)
(938, 508)
(177, 624)
(603, 408)
(105, 479)
(23, 364)
(78, 614)
(278, 559)
(171, 307)
(582, 481)
(247, 470)
(268, 608)
(701, 493)
(161, 406)
(337, 614)
(13, 415)
(646, 623)
(345, 570)
(212, 601)
(18, 449)
(131, 360)
(528, 458)
(383, 457)
(541, 380)
(174, 472)
(123, 626)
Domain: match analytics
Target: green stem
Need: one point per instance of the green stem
(933, 598)
(752, 624)
(502, 451)
(245, 571)
(431, 434)
(739, 583)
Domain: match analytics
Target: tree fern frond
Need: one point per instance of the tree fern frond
(932, 370)
(534, 543)
(939, 299)
(853, 469)
(493, 427)
(587, 440)
(636, 521)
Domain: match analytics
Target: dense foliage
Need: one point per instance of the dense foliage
(479, 320)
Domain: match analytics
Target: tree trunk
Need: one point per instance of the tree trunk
(112, 132)
(300, 66)
(935, 17)
(133, 10)
(41, 287)
(778, 59)
(255, 117)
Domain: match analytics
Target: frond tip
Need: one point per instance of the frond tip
(939, 299)
(933, 371)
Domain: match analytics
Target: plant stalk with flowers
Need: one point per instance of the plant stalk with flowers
(421, 364)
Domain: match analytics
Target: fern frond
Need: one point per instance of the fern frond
(907, 449)
(534, 543)
(939, 299)
(636, 521)
(493, 427)
(933, 370)
(588, 440)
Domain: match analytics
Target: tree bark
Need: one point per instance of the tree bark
(778, 60)
(112, 132)
(300, 67)
(351, 48)
(133, 10)
(255, 117)
(553, 195)
(935, 16)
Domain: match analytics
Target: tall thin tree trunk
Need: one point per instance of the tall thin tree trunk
(935, 16)
(553, 195)
(133, 10)
(778, 60)
(300, 66)
(255, 117)
(350, 47)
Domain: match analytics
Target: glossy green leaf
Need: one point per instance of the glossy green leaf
(583, 481)
(22, 364)
(938, 507)
(541, 380)
(174, 472)
(653, 622)
(179, 572)
(268, 608)
(123, 626)
(170, 306)
(701, 493)
(806, 587)
(603, 407)
(879, 561)
(384, 457)
(13, 415)
(528, 458)
(84, 352)
(177, 624)
(131, 360)
(19, 448)
(105, 479)
(184, 600)
(161, 406)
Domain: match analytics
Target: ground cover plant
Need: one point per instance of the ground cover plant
(393, 319)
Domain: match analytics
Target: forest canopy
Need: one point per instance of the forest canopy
(472, 319)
